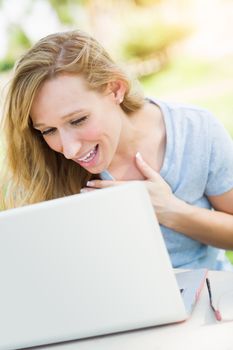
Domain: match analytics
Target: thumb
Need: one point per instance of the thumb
(144, 168)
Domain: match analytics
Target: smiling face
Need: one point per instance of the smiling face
(82, 124)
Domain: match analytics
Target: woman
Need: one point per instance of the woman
(71, 114)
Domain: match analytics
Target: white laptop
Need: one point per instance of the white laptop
(87, 265)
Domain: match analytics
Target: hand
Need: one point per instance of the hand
(160, 192)
(162, 198)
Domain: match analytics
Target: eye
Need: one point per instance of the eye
(48, 131)
(78, 121)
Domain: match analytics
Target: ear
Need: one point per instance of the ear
(118, 89)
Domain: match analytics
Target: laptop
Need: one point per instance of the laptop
(87, 265)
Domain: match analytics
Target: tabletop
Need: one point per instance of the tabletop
(201, 331)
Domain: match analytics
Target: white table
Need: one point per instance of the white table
(201, 331)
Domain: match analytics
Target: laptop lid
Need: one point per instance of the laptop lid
(82, 266)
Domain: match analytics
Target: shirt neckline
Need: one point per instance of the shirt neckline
(169, 149)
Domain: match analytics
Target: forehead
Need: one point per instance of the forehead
(60, 88)
(60, 94)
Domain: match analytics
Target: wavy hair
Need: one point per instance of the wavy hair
(34, 172)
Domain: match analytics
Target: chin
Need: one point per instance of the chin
(94, 171)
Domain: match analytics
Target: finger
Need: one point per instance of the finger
(103, 183)
(86, 189)
(145, 169)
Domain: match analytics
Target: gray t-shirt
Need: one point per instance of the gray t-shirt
(198, 162)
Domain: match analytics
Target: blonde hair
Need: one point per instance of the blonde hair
(34, 171)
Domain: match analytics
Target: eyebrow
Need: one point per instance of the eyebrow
(66, 116)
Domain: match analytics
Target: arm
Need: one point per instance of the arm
(212, 227)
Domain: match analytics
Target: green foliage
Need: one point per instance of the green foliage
(65, 9)
(147, 2)
(229, 254)
(18, 42)
(6, 65)
(146, 40)
(62, 10)
(178, 74)
(18, 36)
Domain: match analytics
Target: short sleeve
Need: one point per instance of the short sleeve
(220, 174)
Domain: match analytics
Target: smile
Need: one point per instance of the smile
(89, 156)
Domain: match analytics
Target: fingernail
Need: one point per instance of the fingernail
(138, 156)
(83, 190)
(90, 183)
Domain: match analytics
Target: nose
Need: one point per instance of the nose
(70, 146)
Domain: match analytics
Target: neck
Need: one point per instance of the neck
(139, 134)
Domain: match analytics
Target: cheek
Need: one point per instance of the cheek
(53, 144)
(92, 133)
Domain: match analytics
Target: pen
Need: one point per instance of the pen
(217, 313)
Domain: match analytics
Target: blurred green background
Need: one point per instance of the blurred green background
(181, 50)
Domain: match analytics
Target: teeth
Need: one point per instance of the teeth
(88, 156)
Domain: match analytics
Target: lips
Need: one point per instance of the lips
(89, 156)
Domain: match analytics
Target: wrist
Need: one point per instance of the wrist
(175, 215)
